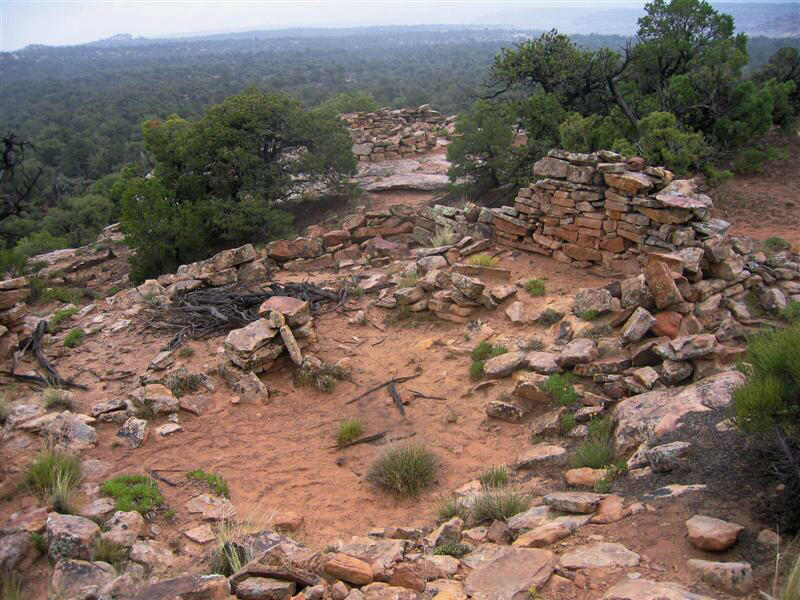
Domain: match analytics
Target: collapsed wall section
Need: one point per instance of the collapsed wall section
(391, 134)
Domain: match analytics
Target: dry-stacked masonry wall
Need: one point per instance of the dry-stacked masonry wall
(390, 134)
(600, 207)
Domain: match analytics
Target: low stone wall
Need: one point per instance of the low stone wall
(604, 208)
(391, 134)
(13, 312)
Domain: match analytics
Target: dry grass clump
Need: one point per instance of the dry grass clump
(57, 398)
(451, 506)
(348, 430)
(535, 287)
(53, 477)
(495, 476)
(500, 505)
(443, 237)
(482, 260)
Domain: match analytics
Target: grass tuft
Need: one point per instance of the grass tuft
(57, 398)
(234, 548)
(500, 505)
(792, 312)
(566, 423)
(62, 314)
(113, 554)
(597, 451)
(186, 352)
(74, 338)
(134, 492)
(588, 315)
(324, 378)
(535, 287)
(485, 351)
(549, 316)
(13, 586)
(181, 383)
(560, 389)
(404, 468)
(775, 244)
(495, 476)
(217, 484)
(476, 370)
(53, 476)
(482, 260)
(448, 507)
(409, 280)
(443, 237)
(348, 430)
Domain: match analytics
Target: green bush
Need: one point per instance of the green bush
(217, 484)
(559, 387)
(12, 262)
(549, 316)
(500, 505)
(409, 280)
(109, 552)
(57, 398)
(134, 492)
(60, 294)
(476, 370)
(348, 430)
(775, 244)
(792, 311)
(588, 315)
(404, 468)
(485, 351)
(74, 338)
(664, 142)
(495, 476)
(13, 586)
(566, 423)
(454, 549)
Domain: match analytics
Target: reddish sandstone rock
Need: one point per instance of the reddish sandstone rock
(667, 324)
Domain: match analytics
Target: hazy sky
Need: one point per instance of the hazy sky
(26, 22)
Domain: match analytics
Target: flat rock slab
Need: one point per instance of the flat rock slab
(208, 587)
(511, 575)
(655, 413)
(644, 589)
(202, 534)
(541, 454)
(573, 502)
(599, 554)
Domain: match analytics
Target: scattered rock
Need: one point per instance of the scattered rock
(715, 535)
(599, 554)
(134, 431)
(540, 455)
(511, 575)
(573, 502)
(731, 577)
(645, 589)
(349, 569)
(69, 536)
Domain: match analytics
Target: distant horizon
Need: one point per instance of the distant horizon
(30, 22)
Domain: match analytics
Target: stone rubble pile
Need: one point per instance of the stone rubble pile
(604, 208)
(389, 134)
(14, 294)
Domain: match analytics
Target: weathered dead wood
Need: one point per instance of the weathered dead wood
(423, 395)
(363, 440)
(33, 343)
(161, 478)
(398, 401)
(384, 384)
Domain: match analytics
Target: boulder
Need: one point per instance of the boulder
(69, 536)
(505, 411)
(668, 324)
(655, 413)
(135, 431)
(187, 587)
(713, 535)
(732, 577)
(668, 457)
(503, 365)
(573, 502)
(16, 551)
(511, 575)
(349, 569)
(153, 555)
(70, 432)
(155, 397)
(71, 577)
(599, 555)
(265, 588)
(296, 312)
(124, 528)
(634, 292)
(598, 300)
(448, 532)
(542, 362)
(579, 351)
(661, 284)
(637, 325)
(542, 454)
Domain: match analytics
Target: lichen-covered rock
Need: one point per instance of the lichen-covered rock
(69, 536)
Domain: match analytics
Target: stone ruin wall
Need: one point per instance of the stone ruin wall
(391, 134)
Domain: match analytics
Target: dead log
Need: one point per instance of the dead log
(33, 343)
(398, 401)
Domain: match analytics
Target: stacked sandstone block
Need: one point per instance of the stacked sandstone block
(13, 310)
(391, 134)
(602, 207)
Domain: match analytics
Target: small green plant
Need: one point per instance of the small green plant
(114, 290)
(323, 378)
(408, 280)
(495, 476)
(186, 352)
(476, 370)
(74, 338)
(217, 484)
(776, 244)
(454, 549)
(443, 237)
(448, 507)
(65, 295)
(404, 468)
(597, 451)
(500, 505)
(533, 345)
(792, 311)
(355, 291)
(614, 471)
(588, 315)
(362, 319)
(535, 287)
(53, 476)
(348, 430)
(62, 314)
(134, 492)
(485, 351)
(169, 515)
(566, 423)
(113, 554)
(13, 586)
(482, 260)
(39, 542)
(181, 383)
(560, 389)
(549, 316)
(57, 398)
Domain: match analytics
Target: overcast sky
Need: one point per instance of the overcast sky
(58, 23)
